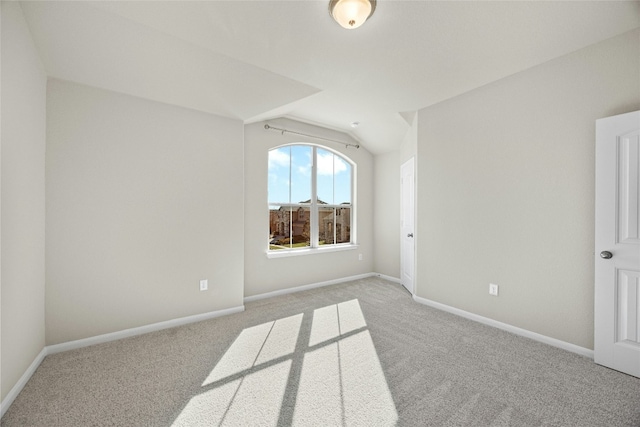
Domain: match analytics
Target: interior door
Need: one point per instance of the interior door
(617, 263)
(407, 214)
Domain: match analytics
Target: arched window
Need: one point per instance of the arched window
(310, 190)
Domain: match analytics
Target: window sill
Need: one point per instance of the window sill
(285, 253)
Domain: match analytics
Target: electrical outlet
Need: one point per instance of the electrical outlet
(359, 257)
(204, 285)
(493, 289)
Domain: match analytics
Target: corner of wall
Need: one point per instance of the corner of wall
(22, 216)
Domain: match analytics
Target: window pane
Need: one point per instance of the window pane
(326, 219)
(335, 226)
(279, 168)
(334, 178)
(301, 227)
(279, 226)
(289, 227)
(301, 174)
(343, 225)
(342, 181)
(325, 176)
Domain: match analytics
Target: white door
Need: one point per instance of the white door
(407, 214)
(617, 264)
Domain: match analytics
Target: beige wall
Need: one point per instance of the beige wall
(143, 200)
(23, 195)
(386, 218)
(409, 145)
(264, 275)
(506, 190)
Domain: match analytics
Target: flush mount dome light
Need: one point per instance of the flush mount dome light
(351, 14)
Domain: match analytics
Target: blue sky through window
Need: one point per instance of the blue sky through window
(292, 164)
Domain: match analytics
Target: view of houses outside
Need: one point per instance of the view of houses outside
(290, 197)
(290, 226)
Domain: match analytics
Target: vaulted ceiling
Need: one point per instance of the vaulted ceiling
(255, 60)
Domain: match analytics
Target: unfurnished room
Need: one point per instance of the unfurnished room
(320, 213)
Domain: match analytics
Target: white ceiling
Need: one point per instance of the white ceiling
(255, 60)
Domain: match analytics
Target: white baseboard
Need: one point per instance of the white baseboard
(307, 287)
(99, 339)
(113, 336)
(17, 388)
(506, 327)
(389, 278)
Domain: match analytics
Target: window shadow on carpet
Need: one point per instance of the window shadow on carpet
(318, 368)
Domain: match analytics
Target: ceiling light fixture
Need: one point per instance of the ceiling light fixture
(351, 14)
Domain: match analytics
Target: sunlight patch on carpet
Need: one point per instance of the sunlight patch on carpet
(258, 344)
(338, 379)
(342, 382)
(255, 399)
(336, 320)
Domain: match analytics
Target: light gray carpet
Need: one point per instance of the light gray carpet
(359, 353)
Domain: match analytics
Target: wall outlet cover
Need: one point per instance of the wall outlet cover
(493, 289)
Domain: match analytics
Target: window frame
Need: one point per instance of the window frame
(314, 207)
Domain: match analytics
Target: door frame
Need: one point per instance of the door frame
(409, 162)
(613, 255)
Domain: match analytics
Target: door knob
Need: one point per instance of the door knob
(606, 255)
(410, 235)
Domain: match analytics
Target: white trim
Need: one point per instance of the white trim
(306, 287)
(389, 278)
(283, 253)
(17, 388)
(506, 327)
(126, 333)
